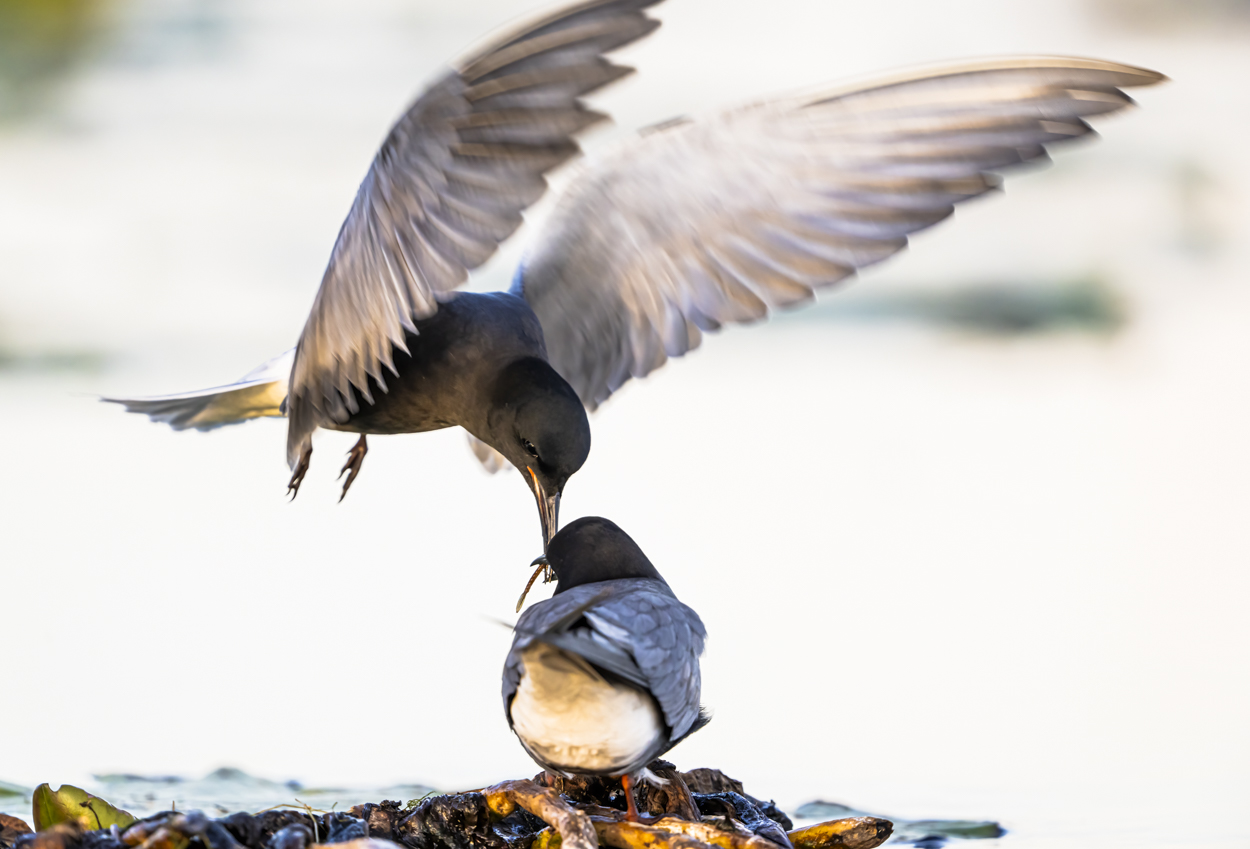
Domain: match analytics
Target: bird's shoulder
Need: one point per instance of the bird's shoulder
(498, 323)
(646, 619)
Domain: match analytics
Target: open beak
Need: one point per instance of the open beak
(548, 509)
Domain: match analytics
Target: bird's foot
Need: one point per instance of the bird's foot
(354, 458)
(631, 807)
(301, 469)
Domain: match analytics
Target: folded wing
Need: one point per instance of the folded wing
(720, 220)
(447, 186)
(636, 631)
(665, 639)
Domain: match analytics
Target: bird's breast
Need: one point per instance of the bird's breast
(573, 719)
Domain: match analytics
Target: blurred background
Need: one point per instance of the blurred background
(970, 536)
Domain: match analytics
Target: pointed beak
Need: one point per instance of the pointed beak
(548, 509)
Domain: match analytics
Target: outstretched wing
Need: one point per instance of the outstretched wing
(447, 186)
(702, 223)
(257, 394)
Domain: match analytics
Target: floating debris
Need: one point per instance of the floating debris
(11, 828)
(926, 833)
(73, 805)
(701, 809)
(698, 809)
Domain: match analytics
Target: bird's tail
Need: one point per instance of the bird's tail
(259, 393)
(705, 716)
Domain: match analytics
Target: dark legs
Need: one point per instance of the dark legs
(301, 469)
(631, 809)
(354, 458)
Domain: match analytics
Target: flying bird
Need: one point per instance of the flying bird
(674, 232)
(603, 677)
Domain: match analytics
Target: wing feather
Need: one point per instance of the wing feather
(447, 186)
(666, 639)
(700, 223)
(638, 632)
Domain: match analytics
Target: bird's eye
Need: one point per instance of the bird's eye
(529, 446)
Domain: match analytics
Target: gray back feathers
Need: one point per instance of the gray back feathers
(638, 628)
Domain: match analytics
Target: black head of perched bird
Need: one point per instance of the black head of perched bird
(539, 424)
(594, 549)
(603, 677)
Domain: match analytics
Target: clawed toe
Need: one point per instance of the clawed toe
(354, 458)
(301, 469)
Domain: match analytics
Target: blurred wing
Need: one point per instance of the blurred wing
(446, 187)
(702, 223)
(257, 394)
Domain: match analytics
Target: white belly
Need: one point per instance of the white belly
(577, 721)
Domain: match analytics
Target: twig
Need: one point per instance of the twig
(614, 831)
(574, 827)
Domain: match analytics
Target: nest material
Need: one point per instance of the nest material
(701, 809)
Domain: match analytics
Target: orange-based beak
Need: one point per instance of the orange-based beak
(548, 509)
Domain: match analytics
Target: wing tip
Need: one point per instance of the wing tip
(1128, 76)
(522, 26)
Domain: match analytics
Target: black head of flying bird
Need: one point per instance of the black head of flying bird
(537, 422)
(675, 232)
(603, 677)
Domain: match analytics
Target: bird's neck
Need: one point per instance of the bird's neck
(524, 380)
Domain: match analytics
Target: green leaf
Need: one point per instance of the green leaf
(72, 804)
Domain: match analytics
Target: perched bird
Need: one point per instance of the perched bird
(603, 677)
(677, 231)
